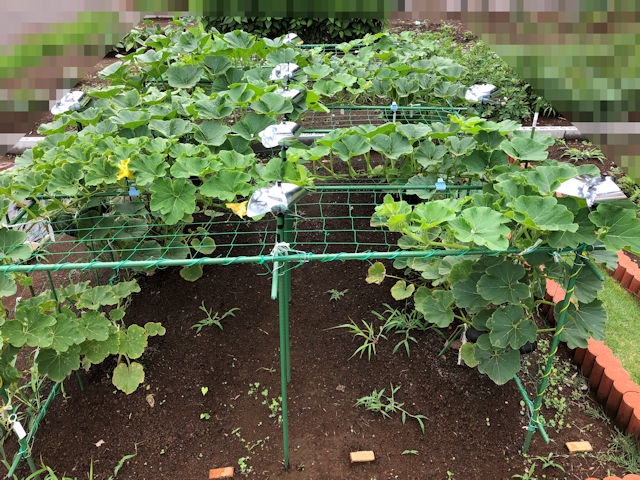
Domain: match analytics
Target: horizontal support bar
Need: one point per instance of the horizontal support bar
(261, 259)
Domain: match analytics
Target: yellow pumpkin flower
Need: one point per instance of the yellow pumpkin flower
(124, 170)
(239, 209)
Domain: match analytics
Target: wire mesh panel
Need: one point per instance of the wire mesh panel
(345, 116)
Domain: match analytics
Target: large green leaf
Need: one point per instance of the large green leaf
(500, 284)
(467, 296)
(619, 227)
(97, 350)
(148, 168)
(436, 306)
(583, 323)
(173, 199)
(500, 366)
(327, 88)
(128, 99)
(587, 286)
(183, 76)
(273, 104)
(543, 213)
(413, 131)
(252, 124)
(351, 145)
(218, 64)
(93, 325)
(131, 118)
(12, 244)
(186, 167)
(211, 133)
(547, 178)
(175, 128)
(482, 226)
(65, 179)
(430, 214)
(511, 328)
(30, 326)
(317, 71)
(227, 185)
(393, 145)
(133, 341)
(525, 149)
(100, 171)
(57, 365)
(217, 108)
(128, 377)
(8, 286)
(66, 331)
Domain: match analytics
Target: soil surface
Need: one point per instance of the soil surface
(474, 428)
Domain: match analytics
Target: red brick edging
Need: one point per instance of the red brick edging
(610, 383)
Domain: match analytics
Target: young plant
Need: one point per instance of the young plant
(587, 152)
(386, 405)
(212, 319)
(368, 334)
(336, 294)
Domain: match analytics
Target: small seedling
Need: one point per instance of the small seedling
(379, 402)
(410, 452)
(212, 319)
(205, 416)
(336, 294)
(204, 390)
(487, 422)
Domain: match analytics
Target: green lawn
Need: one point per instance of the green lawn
(623, 326)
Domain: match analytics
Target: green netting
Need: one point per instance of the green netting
(330, 219)
(344, 116)
(332, 222)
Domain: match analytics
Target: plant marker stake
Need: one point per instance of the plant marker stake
(534, 422)
(394, 109)
(22, 441)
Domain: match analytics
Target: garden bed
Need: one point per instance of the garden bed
(474, 429)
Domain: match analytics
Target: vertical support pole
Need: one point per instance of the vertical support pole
(284, 361)
(534, 422)
(288, 237)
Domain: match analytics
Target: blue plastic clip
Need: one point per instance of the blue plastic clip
(440, 185)
(394, 107)
(133, 192)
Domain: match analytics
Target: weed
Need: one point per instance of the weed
(205, 416)
(487, 422)
(548, 462)
(385, 405)
(214, 319)
(587, 152)
(336, 294)
(245, 468)
(402, 323)
(204, 390)
(410, 452)
(528, 475)
(371, 339)
(622, 451)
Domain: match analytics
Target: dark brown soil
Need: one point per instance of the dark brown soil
(474, 428)
(555, 152)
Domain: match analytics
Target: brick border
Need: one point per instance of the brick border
(610, 383)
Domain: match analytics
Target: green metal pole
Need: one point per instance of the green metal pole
(535, 418)
(530, 406)
(284, 361)
(287, 228)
